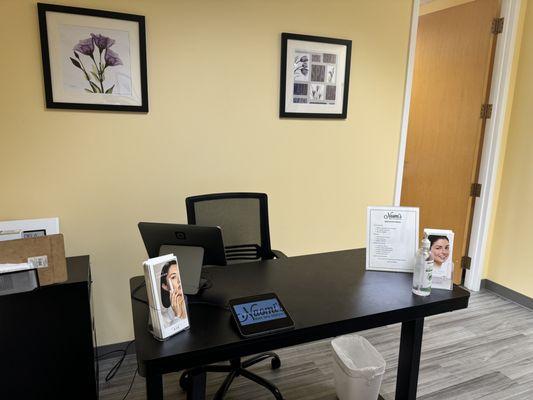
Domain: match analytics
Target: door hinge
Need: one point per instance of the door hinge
(486, 111)
(465, 262)
(497, 26)
(475, 190)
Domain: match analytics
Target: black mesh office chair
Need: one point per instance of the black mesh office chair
(243, 218)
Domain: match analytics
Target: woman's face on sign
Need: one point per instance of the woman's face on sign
(440, 250)
(173, 282)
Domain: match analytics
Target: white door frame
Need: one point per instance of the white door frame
(490, 156)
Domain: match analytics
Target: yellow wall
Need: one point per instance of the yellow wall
(509, 263)
(213, 74)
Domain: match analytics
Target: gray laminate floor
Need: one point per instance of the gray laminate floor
(483, 352)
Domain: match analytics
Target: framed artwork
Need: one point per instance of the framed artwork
(93, 59)
(315, 76)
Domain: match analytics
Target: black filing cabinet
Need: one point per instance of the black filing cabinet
(47, 337)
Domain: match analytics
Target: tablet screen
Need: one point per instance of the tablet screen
(259, 311)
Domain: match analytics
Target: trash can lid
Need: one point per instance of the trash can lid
(357, 357)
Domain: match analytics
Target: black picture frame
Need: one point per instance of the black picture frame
(58, 98)
(327, 99)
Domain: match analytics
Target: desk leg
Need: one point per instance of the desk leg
(196, 389)
(154, 386)
(409, 359)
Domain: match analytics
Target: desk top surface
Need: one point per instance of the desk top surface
(326, 295)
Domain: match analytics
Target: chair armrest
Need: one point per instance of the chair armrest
(279, 254)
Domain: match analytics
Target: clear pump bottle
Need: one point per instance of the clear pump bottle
(423, 270)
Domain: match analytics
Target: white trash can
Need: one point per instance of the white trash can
(357, 368)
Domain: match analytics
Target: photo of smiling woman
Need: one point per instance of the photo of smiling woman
(441, 252)
(172, 298)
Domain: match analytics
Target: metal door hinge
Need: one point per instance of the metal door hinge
(486, 111)
(465, 262)
(497, 26)
(475, 190)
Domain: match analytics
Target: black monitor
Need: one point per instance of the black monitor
(157, 234)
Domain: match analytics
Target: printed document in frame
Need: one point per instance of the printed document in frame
(392, 238)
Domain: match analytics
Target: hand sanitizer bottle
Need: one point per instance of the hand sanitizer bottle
(423, 269)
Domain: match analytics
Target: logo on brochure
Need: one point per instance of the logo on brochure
(393, 215)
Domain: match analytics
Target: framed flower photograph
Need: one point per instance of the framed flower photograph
(93, 59)
(315, 76)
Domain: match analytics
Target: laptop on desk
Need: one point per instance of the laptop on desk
(194, 246)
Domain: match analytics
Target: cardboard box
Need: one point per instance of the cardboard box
(51, 246)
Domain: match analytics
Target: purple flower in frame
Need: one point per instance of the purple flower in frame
(85, 46)
(111, 58)
(102, 42)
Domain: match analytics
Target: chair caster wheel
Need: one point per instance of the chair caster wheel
(275, 363)
(184, 381)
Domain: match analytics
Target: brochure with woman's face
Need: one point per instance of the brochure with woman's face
(441, 250)
(168, 295)
(170, 292)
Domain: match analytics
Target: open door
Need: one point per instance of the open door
(451, 84)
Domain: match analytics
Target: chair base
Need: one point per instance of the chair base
(238, 368)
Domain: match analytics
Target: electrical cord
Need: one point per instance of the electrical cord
(136, 290)
(131, 384)
(208, 303)
(101, 356)
(206, 285)
(114, 369)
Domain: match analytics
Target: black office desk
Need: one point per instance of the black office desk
(326, 294)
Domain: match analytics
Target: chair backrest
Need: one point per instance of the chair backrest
(243, 218)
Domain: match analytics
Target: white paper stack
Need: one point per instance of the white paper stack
(168, 311)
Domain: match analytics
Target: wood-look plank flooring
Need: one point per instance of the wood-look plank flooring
(483, 352)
